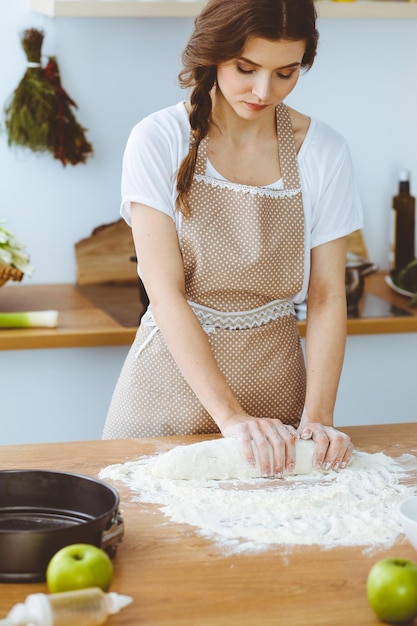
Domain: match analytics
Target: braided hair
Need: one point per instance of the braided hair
(220, 33)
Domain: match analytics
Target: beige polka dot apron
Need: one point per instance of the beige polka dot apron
(243, 253)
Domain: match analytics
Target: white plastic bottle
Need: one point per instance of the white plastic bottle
(84, 607)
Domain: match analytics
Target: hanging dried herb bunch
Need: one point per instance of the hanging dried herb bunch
(39, 114)
(31, 108)
(66, 137)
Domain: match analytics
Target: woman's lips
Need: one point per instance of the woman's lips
(256, 107)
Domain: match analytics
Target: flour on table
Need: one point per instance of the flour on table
(357, 506)
(222, 459)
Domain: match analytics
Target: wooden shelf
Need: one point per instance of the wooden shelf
(368, 9)
(108, 315)
(116, 8)
(81, 323)
(361, 9)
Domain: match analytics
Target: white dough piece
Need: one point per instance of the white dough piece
(221, 459)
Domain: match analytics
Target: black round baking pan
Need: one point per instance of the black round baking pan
(42, 511)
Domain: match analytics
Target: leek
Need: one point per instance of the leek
(29, 319)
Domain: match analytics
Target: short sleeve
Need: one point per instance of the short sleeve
(335, 204)
(150, 163)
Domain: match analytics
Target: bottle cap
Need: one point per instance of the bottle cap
(36, 611)
(404, 175)
(117, 601)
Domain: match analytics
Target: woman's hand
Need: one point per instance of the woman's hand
(264, 431)
(333, 449)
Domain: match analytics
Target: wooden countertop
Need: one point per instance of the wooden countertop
(105, 315)
(81, 323)
(178, 578)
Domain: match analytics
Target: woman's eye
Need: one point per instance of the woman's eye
(285, 76)
(242, 70)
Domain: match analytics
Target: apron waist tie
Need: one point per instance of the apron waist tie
(242, 320)
(211, 319)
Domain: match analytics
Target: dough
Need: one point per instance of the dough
(221, 459)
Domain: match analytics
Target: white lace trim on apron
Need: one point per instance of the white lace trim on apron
(210, 319)
(267, 192)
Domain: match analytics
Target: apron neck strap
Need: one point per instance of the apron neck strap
(287, 154)
(202, 152)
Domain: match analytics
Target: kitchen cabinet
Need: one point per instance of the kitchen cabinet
(362, 9)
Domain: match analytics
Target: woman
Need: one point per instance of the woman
(239, 206)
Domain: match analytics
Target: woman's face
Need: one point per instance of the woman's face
(262, 77)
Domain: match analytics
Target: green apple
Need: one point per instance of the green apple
(392, 590)
(79, 566)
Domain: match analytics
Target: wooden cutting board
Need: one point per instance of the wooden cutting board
(356, 244)
(105, 256)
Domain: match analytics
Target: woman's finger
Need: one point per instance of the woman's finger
(283, 446)
(339, 448)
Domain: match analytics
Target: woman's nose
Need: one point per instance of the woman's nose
(262, 87)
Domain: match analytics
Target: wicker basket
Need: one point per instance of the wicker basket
(9, 273)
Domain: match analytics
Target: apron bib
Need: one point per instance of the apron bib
(243, 253)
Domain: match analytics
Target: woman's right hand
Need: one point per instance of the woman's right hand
(265, 433)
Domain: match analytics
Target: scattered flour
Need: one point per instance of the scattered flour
(354, 507)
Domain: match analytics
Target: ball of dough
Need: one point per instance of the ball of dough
(222, 459)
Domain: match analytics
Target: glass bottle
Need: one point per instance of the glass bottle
(403, 226)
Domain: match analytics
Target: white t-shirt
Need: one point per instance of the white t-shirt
(158, 144)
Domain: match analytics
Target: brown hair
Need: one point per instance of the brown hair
(220, 34)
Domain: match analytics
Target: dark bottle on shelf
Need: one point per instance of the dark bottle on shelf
(403, 227)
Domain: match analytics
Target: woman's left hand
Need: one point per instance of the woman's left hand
(333, 449)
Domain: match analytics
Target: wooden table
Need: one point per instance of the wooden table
(178, 578)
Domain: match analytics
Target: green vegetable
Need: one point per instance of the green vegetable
(29, 319)
(13, 252)
(413, 301)
(407, 279)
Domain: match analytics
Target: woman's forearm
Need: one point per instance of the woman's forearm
(159, 257)
(325, 347)
(190, 349)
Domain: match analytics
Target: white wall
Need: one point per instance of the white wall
(364, 84)
(118, 70)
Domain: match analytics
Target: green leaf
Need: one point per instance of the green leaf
(413, 301)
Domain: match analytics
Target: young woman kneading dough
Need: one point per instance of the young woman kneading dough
(240, 207)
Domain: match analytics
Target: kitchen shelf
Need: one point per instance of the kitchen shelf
(365, 9)
(108, 314)
(116, 8)
(362, 9)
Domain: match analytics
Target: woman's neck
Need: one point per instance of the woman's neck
(227, 124)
